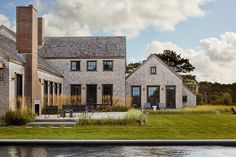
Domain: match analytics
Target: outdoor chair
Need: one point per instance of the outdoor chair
(233, 110)
(146, 106)
(51, 110)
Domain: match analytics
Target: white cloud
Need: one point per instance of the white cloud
(118, 17)
(214, 59)
(4, 20)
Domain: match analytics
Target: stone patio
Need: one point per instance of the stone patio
(55, 120)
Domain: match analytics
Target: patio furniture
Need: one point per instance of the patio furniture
(146, 106)
(154, 108)
(161, 105)
(67, 111)
(51, 110)
(233, 110)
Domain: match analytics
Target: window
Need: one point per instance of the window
(91, 65)
(75, 65)
(107, 65)
(107, 94)
(153, 95)
(185, 99)
(153, 70)
(75, 94)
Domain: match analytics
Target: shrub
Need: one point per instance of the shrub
(223, 98)
(108, 108)
(119, 108)
(19, 117)
(199, 99)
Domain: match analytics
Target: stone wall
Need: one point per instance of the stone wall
(163, 78)
(98, 77)
(191, 97)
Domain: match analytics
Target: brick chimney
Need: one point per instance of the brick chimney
(41, 26)
(27, 43)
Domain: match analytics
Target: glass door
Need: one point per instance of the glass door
(153, 95)
(136, 96)
(170, 97)
(92, 94)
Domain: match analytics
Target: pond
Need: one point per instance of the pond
(113, 151)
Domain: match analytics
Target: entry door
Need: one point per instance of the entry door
(92, 94)
(170, 97)
(136, 96)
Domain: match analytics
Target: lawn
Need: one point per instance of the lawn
(161, 126)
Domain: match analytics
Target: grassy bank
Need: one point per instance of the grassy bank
(164, 126)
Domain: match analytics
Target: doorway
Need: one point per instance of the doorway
(92, 94)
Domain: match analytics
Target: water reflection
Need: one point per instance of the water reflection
(121, 151)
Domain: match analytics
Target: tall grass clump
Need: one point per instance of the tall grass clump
(199, 109)
(133, 117)
(19, 117)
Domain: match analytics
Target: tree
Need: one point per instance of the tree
(176, 62)
(200, 99)
(131, 67)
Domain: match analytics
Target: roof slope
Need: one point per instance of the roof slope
(9, 48)
(83, 47)
(153, 55)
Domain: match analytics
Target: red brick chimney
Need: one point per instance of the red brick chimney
(27, 43)
(41, 26)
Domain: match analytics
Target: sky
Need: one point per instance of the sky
(204, 31)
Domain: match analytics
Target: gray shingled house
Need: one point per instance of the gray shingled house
(86, 69)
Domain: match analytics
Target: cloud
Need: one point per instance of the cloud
(4, 20)
(118, 17)
(214, 59)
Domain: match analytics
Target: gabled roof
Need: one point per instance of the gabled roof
(9, 31)
(83, 47)
(8, 49)
(163, 63)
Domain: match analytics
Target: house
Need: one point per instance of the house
(156, 83)
(86, 69)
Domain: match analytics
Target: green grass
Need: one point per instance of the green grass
(164, 126)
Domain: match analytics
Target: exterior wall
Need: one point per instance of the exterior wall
(4, 86)
(99, 77)
(13, 70)
(164, 77)
(191, 97)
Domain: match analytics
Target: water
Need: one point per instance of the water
(115, 151)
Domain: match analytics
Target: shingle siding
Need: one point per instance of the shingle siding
(99, 77)
(83, 47)
(163, 78)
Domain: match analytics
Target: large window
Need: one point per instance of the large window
(75, 94)
(51, 94)
(170, 97)
(75, 65)
(136, 96)
(19, 90)
(107, 65)
(153, 95)
(107, 91)
(91, 65)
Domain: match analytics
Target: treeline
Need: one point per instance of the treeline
(216, 93)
